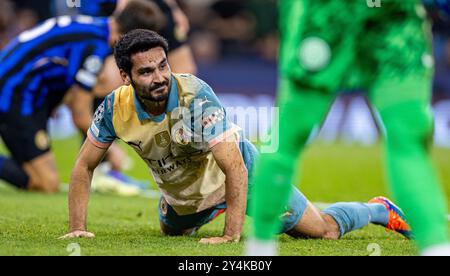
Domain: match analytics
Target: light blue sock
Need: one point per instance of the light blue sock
(352, 216)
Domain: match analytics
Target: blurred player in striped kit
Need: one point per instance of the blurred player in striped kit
(60, 60)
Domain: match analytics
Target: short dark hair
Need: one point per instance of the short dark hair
(140, 14)
(136, 41)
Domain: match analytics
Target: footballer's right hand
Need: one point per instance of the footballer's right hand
(78, 234)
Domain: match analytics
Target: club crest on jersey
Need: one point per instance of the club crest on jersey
(180, 137)
(163, 139)
(41, 140)
(314, 54)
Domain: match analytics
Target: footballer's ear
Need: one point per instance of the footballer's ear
(125, 77)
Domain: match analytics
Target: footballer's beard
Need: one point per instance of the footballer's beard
(154, 104)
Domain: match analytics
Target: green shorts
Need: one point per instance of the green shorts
(333, 44)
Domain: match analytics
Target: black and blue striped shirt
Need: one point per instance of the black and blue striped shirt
(42, 64)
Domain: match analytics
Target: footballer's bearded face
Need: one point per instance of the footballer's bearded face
(151, 76)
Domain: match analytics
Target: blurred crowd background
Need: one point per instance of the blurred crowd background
(235, 46)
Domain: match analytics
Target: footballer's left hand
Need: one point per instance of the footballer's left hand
(219, 240)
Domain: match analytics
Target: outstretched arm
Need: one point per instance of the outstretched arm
(80, 182)
(229, 159)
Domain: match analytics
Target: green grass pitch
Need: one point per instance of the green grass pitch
(30, 223)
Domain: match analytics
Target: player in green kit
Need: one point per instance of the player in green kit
(383, 47)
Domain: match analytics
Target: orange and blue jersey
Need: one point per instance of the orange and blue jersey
(177, 144)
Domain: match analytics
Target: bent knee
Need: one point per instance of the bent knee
(331, 229)
(47, 184)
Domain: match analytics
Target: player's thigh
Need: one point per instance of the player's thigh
(404, 106)
(37, 161)
(314, 62)
(44, 173)
(28, 142)
(403, 102)
(25, 137)
(402, 63)
(402, 56)
(301, 109)
(407, 118)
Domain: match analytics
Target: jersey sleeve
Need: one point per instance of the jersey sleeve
(92, 61)
(102, 133)
(209, 118)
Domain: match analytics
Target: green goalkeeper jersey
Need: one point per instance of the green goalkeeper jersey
(336, 44)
